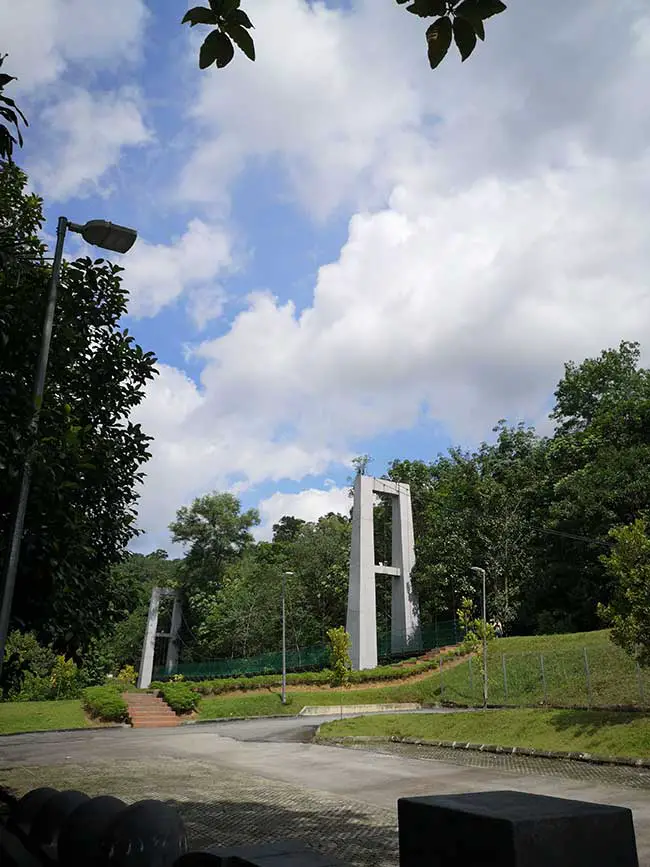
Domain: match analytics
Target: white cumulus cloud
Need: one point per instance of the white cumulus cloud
(88, 133)
(310, 505)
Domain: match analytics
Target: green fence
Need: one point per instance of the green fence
(389, 647)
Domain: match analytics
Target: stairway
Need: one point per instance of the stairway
(147, 711)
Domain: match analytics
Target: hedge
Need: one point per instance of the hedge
(180, 697)
(105, 703)
(308, 678)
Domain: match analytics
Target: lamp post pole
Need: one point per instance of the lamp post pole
(481, 572)
(39, 388)
(102, 234)
(284, 637)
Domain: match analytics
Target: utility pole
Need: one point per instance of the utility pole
(481, 572)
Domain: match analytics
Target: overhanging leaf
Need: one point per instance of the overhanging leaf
(242, 38)
(438, 40)
(217, 48)
(5, 79)
(227, 7)
(464, 36)
(241, 18)
(427, 8)
(199, 15)
(468, 9)
(488, 8)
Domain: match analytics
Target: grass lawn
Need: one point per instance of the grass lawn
(600, 732)
(34, 716)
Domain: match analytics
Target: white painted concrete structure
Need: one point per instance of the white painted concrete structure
(362, 608)
(149, 644)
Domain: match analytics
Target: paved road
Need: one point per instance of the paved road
(261, 779)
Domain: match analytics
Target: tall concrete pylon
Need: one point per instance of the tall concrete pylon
(151, 634)
(362, 607)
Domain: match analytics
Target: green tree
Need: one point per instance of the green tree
(216, 531)
(459, 21)
(320, 558)
(88, 455)
(628, 613)
(287, 529)
(598, 478)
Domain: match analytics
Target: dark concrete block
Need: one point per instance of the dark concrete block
(513, 829)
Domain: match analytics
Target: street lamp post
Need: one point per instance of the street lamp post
(284, 637)
(481, 572)
(100, 233)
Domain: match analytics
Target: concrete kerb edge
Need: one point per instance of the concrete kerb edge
(64, 731)
(589, 758)
(221, 719)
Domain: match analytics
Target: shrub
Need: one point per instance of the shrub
(25, 656)
(65, 681)
(180, 697)
(340, 656)
(33, 688)
(128, 675)
(105, 703)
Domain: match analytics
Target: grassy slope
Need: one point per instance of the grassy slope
(33, 716)
(599, 732)
(613, 680)
(613, 677)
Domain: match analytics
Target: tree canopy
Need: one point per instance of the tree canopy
(88, 454)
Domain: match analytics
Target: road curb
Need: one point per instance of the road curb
(590, 758)
(203, 722)
(64, 731)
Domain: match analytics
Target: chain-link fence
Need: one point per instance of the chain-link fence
(594, 676)
(315, 657)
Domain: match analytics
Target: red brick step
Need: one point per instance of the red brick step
(147, 710)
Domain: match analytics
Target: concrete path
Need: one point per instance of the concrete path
(263, 777)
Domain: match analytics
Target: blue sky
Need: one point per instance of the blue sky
(341, 251)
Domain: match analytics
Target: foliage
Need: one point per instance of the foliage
(340, 661)
(87, 458)
(10, 113)
(65, 680)
(180, 697)
(25, 660)
(473, 627)
(459, 20)
(217, 533)
(127, 675)
(323, 678)
(105, 703)
(629, 611)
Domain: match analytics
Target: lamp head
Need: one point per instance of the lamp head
(109, 236)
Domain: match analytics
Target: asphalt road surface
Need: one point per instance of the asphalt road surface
(260, 780)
